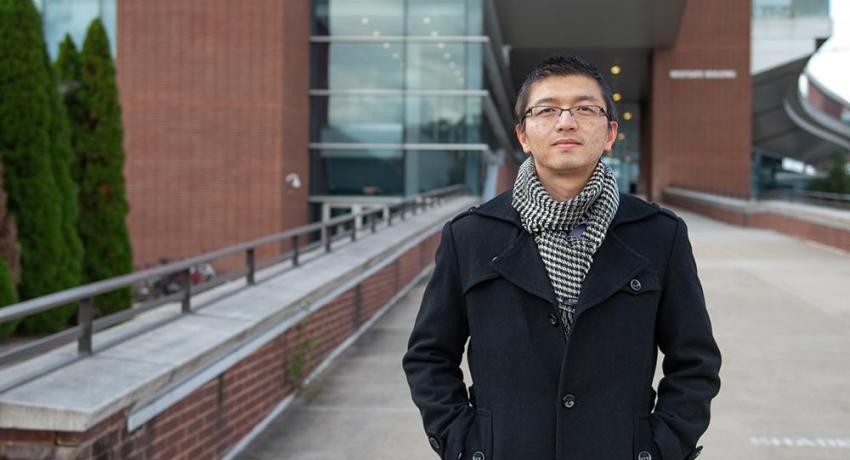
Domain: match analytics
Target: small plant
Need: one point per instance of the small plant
(295, 363)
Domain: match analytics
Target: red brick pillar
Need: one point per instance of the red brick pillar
(701, 120)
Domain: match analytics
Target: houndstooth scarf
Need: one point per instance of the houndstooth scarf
(567, 258)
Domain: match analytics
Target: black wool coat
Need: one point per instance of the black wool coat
(537, 395)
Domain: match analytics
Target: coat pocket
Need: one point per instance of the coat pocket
(643, 447)
(479, 440)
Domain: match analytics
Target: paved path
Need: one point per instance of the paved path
(781, 314)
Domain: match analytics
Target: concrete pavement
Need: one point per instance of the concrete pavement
(781, 314)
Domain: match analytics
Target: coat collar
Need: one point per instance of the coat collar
(630, 209)
(615, 262)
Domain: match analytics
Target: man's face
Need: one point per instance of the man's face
(566, 146)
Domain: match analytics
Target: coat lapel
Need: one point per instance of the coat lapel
(614, 263)
(521, 265)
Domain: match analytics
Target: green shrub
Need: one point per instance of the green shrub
(837, 179)
(99, 170)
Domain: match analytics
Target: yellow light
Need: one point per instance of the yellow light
(615, 69)
(621, 137)
(627, 116)
(617, 97)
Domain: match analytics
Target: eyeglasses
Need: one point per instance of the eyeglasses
(548, 114)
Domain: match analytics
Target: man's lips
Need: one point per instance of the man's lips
(566, 142)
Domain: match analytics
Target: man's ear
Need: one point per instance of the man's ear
(612, 135)
(521, 137)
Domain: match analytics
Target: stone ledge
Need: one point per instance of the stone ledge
(822, 225)
(135, 372)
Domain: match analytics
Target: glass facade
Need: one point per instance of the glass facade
(73, 17)
(624, 158)
(398, 96)
(790, 8)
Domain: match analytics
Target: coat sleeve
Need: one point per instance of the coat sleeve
(691, 358)
(433, 358)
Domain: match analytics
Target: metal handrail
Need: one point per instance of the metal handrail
(85, 294)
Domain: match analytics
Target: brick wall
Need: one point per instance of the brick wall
(214, 97)
(800, 228)
(216, 416)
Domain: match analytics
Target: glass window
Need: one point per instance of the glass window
(443, 119)
(625, 157)
(358, 65)
(387, 18)
(371, 119)
(790, 8)
(810, 8)
(437, 169)
(357, 172)
(73, 17)
(358, 18)
(433, 19)
(378, 119)
(443, 65)
(387, 63)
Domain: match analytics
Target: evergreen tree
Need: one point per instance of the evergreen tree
(68, 65)
(9, 260)
(7, 297)
(99, 170)
(68, 69)
(27, 147)
(71, 265)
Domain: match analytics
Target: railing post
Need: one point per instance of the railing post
(84, 320)
(186, 304)
(372, 221)
(354, 228)
(389, 217)
(251, 262)
(327, 235)
(295, 250)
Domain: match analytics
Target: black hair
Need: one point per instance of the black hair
(557, 66)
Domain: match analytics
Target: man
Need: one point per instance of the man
(565, 290)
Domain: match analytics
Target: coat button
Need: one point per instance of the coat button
(644, 455)
(569, 400)
(494, 259)
(478, 455)
(553, 320)
(635, 285)
(435, 444)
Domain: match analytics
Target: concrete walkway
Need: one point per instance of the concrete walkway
(781, 314)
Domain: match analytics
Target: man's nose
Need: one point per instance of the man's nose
(566, 121)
